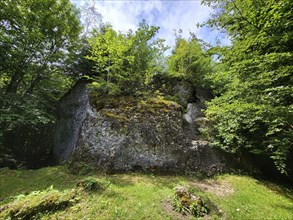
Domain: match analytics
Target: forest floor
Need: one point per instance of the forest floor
(55, 193)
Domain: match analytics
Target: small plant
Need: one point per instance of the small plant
(184, 201)
(92, 184)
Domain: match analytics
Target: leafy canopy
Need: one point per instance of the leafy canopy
(124, 63)
(37, 37)
(189, 61)
(110, 52)
(253, 80)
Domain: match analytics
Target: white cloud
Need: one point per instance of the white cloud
(169, 15)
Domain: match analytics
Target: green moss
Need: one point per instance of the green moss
(128, 103)
(160, 102)
(37, 203)
(120, 118)
(124, 108)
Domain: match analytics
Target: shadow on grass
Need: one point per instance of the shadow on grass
(15, 182)
(285, 191)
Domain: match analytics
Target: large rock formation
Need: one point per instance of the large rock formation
(72, 111)
(127, 134)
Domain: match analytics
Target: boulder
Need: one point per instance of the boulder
(133, 134)
(143, 137)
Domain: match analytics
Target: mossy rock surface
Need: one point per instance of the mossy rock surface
(142, 134)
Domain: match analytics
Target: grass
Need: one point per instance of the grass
(146, 196)
(253, 199)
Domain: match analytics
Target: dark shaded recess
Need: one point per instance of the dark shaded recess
(203, 93)
(27, 146)
(261, 166)
(194, 96)
(31, 146)
(289, 164)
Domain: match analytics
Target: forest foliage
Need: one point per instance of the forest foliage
(189, 61)
(125, 63)
(36, 38)
(44, 47)
(252, 110)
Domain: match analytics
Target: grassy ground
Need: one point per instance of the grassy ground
(141, 196)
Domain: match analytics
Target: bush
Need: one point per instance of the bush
(185, 201)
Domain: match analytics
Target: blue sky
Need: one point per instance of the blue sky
(168, 15)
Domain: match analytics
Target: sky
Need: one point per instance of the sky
(167, 14)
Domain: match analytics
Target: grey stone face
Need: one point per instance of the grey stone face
(165, 140)
(72, 112)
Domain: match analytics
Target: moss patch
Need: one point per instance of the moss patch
(37, 203)
(120, 118)
(129, 102)
(123, 108)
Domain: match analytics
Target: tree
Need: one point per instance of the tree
(147, 52)
(189, 61)
(36, 38)
(254, 110)
(110, 53)
(124, 63)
